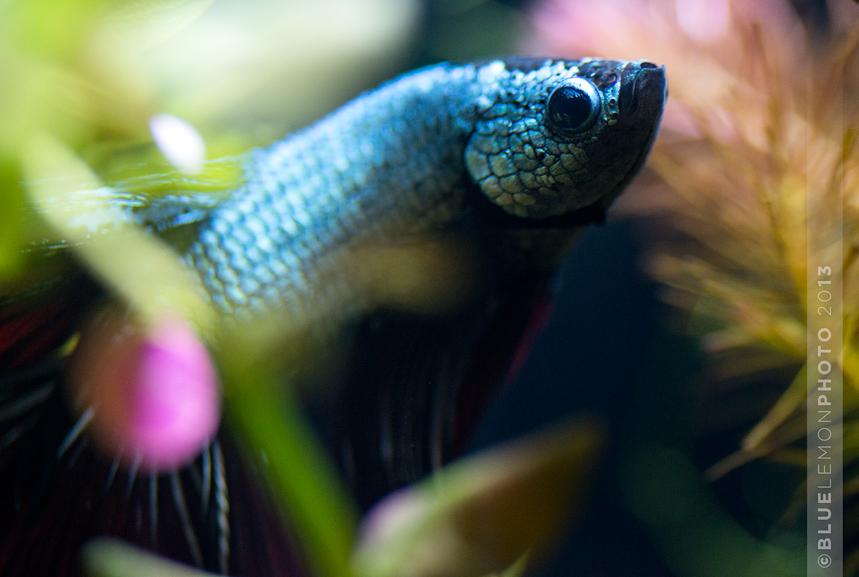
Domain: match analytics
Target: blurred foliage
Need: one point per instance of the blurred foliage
(666, 492)
(110, 558)
(138, 268)
(91, 74)
(269, 421)
(472, 29)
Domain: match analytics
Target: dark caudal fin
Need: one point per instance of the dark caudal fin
(418, 386)
(211, 514)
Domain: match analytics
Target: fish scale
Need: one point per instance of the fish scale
(375, 166)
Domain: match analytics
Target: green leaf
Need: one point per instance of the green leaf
(141, 269)
(304, 483)
(112, 558)
(515, 570)
(11, 212)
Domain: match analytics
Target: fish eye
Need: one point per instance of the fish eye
(573, 107)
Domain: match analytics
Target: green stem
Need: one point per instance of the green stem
(268, 420)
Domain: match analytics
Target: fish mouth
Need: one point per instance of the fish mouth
(643, 86)
(647, 91)
(643, 93)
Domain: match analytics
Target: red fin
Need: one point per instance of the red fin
(33, 327)
(499, 355)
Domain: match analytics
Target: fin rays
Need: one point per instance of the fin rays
(77, 429)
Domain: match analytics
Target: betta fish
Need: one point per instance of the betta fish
(506, 158)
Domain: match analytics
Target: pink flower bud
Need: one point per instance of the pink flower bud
(153, 391)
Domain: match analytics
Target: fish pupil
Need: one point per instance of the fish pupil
(571, 108)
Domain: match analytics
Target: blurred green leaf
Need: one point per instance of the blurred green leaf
(267, 419)
(515, 570)
(50, 28)
(11, 214)
(249, 62)
(475, 29)
(480, 516)
(142, 24)
(696, 536)
(112, 558)
(140, 268)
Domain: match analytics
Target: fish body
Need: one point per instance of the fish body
(517, 152)
(432, 149)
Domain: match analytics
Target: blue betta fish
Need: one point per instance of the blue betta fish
(509, 156)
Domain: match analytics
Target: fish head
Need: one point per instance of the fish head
(552, 137)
